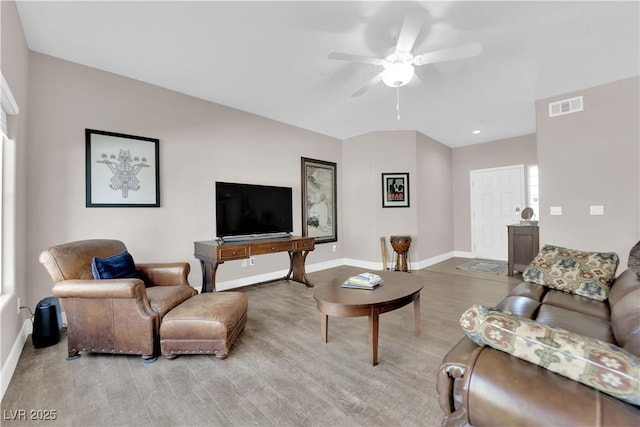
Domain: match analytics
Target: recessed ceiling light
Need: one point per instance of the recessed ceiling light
(475, 132)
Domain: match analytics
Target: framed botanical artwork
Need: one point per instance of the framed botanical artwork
(395, 190)
(319, 197)
(121, 170)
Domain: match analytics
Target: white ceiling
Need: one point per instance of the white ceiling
(270, 58)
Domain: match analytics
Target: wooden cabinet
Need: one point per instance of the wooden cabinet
(524, 245)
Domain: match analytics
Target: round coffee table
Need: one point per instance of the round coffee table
(397, 290)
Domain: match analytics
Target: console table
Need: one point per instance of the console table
(212, 253)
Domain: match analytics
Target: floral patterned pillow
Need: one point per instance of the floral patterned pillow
(588, 274)
(589, 361)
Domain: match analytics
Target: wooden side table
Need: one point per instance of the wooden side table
(524, 244)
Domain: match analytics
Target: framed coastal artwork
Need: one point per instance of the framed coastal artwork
(121, 170)
(319, 196)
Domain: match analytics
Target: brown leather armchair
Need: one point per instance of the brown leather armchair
(114, 315)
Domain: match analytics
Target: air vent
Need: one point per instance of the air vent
(566, 106)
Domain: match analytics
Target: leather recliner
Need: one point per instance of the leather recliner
(113, 315)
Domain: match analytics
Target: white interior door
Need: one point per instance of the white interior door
(497, 197)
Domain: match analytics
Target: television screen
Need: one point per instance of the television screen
(249, 209)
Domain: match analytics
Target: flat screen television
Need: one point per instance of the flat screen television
(246, 211)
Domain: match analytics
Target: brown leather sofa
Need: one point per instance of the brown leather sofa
(482, 386)
(115, 315)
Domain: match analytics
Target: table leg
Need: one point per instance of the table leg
(203, 266)
(416, 312)
(374, 321)
(209, 275)
(297, 272)
(324, 327)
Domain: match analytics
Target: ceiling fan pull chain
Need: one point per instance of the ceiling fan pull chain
(398, 101)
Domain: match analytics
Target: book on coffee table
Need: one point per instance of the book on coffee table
(363, 281)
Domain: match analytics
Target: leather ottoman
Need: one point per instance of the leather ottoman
(206, 323)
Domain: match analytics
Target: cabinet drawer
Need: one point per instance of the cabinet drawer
(233, 253)
(306, 245)
(271, 247)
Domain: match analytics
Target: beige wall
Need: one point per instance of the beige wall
(359, 199)
(592, 158)
(200, 143)
(365, 158)
(428, 218)
(519, 150)
(435, 200)
(395, 151)
(14, 61)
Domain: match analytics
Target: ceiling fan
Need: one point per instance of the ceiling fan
(399, 64)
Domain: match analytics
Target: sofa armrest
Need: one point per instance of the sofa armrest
(111, 288)
(482, 386)
(452, 381)
(166, 274)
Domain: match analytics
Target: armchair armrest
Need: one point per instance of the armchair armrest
(111, 288)
(166, 274)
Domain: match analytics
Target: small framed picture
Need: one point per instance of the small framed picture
(121, 170)
(395, 190)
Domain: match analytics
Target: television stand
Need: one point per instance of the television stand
(212, 253)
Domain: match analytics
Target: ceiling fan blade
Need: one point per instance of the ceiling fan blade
(356, 58)
(458, 52)
(371, 83)
(411, 26)
(416, 81)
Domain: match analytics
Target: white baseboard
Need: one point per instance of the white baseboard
(324, 265)
(460, 254)
(250, 280)
(431, 261)
(417, 265)
(367, 265)
(245, 281)
(9, 367)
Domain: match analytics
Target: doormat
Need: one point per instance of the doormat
(484, 266)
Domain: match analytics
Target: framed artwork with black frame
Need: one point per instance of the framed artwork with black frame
(395, 190)
(319, 198)
(121, 170)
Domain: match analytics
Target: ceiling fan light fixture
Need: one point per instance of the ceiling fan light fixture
(397, 74)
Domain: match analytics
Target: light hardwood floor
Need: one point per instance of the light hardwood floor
(278, 372)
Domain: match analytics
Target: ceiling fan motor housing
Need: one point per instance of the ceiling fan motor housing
(398, 69)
